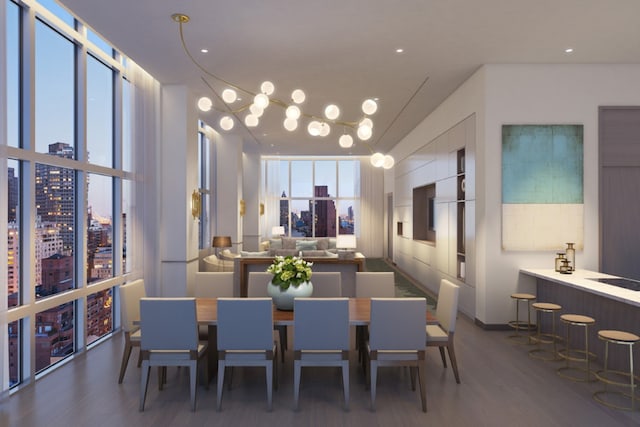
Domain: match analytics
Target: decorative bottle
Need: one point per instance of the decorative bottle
(571, 256)
(559, 259)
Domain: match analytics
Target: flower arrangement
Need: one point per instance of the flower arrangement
(289, 271)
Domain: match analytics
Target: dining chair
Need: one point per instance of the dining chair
(130, 295)
(371, 284)
(397, 338)
(441, 334)
(321, 338)
(212, 285)
(170, 338)
(245, 338)
(257, 288)
(326, 284)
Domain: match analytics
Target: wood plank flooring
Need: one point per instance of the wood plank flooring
(501, 386)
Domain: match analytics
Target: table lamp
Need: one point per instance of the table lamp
(346, 243)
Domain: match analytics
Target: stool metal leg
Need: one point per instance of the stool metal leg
(605, 377)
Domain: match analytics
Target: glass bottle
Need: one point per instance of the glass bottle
(559, 259)
(564, 267)
(571, 256)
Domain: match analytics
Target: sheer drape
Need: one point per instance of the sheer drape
(273, 192)
(146, 194)
(370, 237)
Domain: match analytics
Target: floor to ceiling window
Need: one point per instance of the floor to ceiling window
(69, 186)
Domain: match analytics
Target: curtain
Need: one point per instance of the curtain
(273, 192)
(371, 236)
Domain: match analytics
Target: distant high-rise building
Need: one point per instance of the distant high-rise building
(55, 194)
(284, 213)
(14, 195)
(57, 274)
(325, 213)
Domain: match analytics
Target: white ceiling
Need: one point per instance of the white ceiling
(343, 51)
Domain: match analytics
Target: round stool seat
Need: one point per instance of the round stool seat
(526, 297)
(577, 319)
(612, 335)
(546, 306)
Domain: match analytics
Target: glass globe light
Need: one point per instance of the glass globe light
(226, 123)
(261, 100)
(364, 132)
(290, 124)
(229, 96)
(345, 141)
(267, 87)
(293, 112)
(369, 107)
(204, 104)
(314, 128)
(325, 129)
(298, 96)
(256, 111)
(332, 112)
(377, 159)
(388, 162)
(251, 121)
(366, 122)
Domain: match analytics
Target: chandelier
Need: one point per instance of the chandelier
(317, 125)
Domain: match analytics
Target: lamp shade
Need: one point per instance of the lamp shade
(277, 230)
(346, 241)
(221, 242)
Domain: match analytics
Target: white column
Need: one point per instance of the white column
(251, 194)
(228, 189)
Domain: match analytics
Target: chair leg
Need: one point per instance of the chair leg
(444, 360)
(345, 383)
(125, 360)
(221, 369)
(144, 382)
(193, 381)
(162, 376)
(454, 363)
(412, 374)
(296, 383)
(373, 368)
(423, 389)
(269, 367)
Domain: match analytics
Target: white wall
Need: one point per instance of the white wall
(523, 94)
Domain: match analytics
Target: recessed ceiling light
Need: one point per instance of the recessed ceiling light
(399, 50)
(568, 50)
(204, 50)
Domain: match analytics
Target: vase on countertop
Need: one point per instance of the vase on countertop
(283, 299)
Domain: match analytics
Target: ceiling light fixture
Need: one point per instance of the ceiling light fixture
(318, 126)
(568, 50)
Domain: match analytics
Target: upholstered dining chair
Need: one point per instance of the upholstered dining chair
(326, 284)
(170, 338)
(130, 295)
(212, 285)
(321, 338)
(396, 338)
(245, 338)
(371, 284)
(257, 288)
(441, 335)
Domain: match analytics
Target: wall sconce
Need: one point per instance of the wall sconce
(261, 209)
(243, 208)
(196, 204)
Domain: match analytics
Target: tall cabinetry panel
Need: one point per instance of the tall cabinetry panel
(460, 215)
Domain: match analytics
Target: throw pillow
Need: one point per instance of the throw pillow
(330, 254)
(323, 243)
(288, 243)
(313, 254)
(306, 245)
(275, 243)
(332, 243)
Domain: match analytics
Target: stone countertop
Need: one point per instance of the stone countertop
(582, 280)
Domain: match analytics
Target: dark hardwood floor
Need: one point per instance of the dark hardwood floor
(501, 386)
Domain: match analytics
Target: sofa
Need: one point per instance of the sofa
(224, 262)
(298, 246)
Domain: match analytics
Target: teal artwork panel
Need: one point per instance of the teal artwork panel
(542, 164)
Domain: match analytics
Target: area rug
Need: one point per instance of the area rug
(405, 287)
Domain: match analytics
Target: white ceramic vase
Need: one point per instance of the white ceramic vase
(284, 299)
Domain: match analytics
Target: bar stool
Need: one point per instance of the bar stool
(614, 377)
(545, 338)
(577, 355)
(519, 325)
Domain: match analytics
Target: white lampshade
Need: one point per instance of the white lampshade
(377, 159)
(293, 112)
(290, 124)
(250, 120)
(369, 107)
(226, 123)
(332, 112)
(267, 87)
(256, 111)
(325, 129)
(346, 241)
(229, 96)
(261, 100)
(298, 96)
(314, 128)
(388, 162)
(204, 104)
(345, 141)
(364, 132)
(277, 230)
(366, 122)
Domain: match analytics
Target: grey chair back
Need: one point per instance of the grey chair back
(447, 309)
(245, 324)
(321, 324)
(257, 284)
(397, 323)
(213, 285)
(168, 324)
(130, 295)
(326, 284)
(375, 284)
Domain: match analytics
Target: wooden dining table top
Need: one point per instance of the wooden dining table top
(359, 312)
